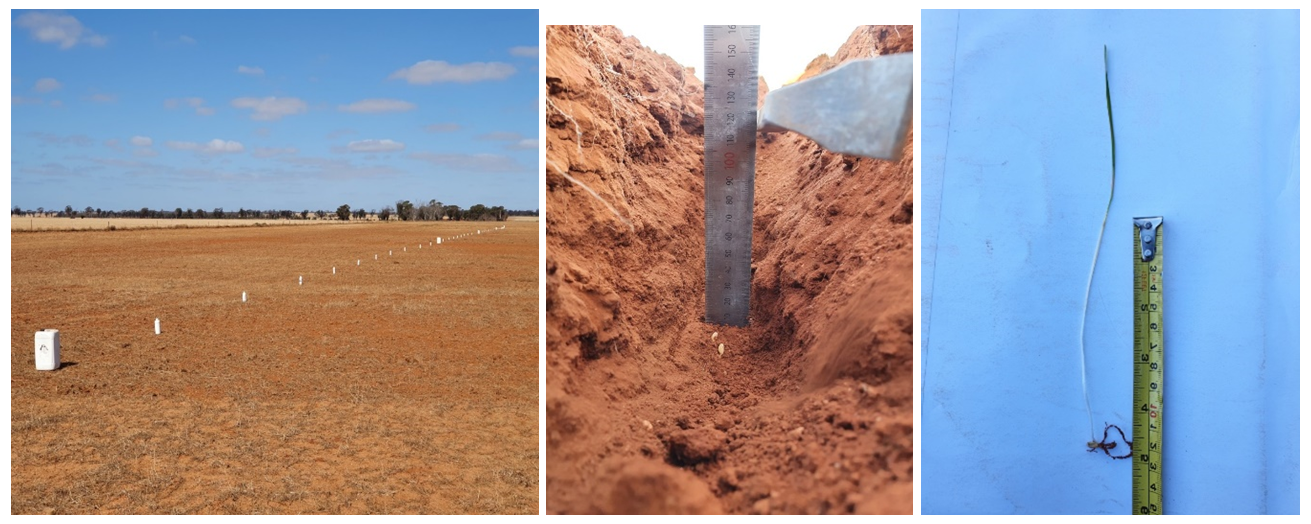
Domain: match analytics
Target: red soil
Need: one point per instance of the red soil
(402, 385)
(809, 408)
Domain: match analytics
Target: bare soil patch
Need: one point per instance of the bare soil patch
(402, 385)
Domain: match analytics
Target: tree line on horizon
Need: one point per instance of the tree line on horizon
(404, 210)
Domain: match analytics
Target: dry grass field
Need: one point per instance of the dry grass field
(402, 385)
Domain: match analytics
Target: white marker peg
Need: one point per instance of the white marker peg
(157, 326)
(243, 296)
(406, 248)
(375, 256)
(357, 262)
(388, 252)
(300, 281)
(334, 270)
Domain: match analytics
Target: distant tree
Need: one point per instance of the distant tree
(145, 212)
(98, 213)
(404, 210)
(344, 212)
(477, 212)
(305, 214)
(383, 215)
(218, 212)
(18, 210)
(177, 213)
(68, 211)
(321, 214)
(41, 211)
(429, 211)
(452, 212)
(87, 212)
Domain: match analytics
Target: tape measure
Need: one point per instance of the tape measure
(731, 73)
(1148, 365)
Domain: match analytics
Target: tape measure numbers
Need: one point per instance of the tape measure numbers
(731, 73)
(1149, 365)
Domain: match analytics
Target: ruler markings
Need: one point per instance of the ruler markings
(731, 72)
(1149, 366)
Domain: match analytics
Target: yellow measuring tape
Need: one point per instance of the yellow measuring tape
(1148, 364)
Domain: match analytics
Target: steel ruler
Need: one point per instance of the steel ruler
(731, 73)
(1148, 364)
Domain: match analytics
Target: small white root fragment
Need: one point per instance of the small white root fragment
(714, 336)
(721, 350)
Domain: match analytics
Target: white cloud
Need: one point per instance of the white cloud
(441, 128)
(378, 105)
(46, 85)
(145, 152)
(270, 108)
(525, 144)
(186, 39)
(223, 146)
(484, 163)
(60, 29)
(434, 71)
(270, 152)
(142, 141)
(112, 143)
(250, 70)
(194, 102)
(103, 98)
(215, 146)
(375, 146)
(56, 103)
(524, 50)
(25, 100)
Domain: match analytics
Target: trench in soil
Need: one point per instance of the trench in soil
(808, 409)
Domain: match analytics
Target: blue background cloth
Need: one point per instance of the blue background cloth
(1016, 160)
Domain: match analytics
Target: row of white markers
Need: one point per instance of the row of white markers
(47, 340)
(300, 280)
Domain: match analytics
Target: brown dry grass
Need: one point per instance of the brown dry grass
(406, 385)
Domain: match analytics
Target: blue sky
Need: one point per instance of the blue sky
(273, 109)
